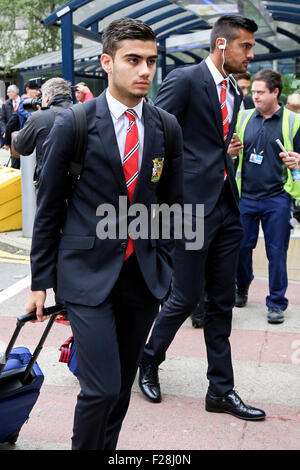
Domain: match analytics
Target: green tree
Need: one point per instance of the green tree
(22, 31)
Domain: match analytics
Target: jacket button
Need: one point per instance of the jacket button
(124, 245)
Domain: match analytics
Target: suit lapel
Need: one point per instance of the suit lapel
(212, 93)
(107, 135)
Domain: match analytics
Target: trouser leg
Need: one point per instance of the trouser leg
(218, 258)
(250, 217)
(109, 343)
(276, 227)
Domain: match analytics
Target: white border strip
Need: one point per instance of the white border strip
(15, 288)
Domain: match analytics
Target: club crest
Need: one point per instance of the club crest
(157, 169)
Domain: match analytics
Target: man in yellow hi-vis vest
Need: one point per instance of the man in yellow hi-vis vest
(266, 187)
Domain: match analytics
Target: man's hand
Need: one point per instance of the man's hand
(292, 161)
(235, 146)
(84, 89)
(36, 301)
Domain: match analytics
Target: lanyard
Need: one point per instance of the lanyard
(267, 137)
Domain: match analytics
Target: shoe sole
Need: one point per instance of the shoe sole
(216, 410)
(276, 321)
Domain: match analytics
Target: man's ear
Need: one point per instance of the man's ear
(276, 92)
(106, 62)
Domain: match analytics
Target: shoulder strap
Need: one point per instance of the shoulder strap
(80, 144)
(49, 118)
(168, 128)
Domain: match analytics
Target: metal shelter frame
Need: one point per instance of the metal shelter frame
(170, 18)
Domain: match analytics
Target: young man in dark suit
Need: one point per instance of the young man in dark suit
(206, 100)
(112, 285)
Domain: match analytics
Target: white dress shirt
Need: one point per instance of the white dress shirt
(218, 78)
(120, 121)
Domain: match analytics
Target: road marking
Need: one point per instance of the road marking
(6, 254)
(15, 288)
(6, 257)
(14, 261)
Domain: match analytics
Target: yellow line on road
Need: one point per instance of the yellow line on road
(15, 261)
(13, 256)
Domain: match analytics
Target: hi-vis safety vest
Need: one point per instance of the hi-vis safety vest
(290, 126)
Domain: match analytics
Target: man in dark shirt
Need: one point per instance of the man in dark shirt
(266, 189)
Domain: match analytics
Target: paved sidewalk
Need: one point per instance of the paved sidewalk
(266, 361)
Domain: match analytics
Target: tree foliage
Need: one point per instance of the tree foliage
(22, 31)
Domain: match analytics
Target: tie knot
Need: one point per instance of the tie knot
(224, 83)
(130, 113)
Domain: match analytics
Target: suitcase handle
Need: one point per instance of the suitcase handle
(53, 311)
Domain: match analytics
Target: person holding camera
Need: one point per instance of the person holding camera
(56, 95)
(32, 90)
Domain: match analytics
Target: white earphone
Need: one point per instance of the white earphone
(223, 46)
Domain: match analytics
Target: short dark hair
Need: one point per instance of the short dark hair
(125, 28)
(228, 26)
(272, 79)
(242, 76)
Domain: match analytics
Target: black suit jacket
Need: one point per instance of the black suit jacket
(248, 102)
(66, 252)
(6, 113)
(190, 94)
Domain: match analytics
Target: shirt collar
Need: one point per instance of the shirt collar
(118, 109)
(277, 113)
(217, 76)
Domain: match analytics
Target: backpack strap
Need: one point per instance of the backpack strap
(49, 117)
(80, 143)
(168, 126)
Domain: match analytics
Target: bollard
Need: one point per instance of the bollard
(28, 194)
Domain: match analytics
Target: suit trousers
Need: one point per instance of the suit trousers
(215, 263)
(274, 214)
(109, 340)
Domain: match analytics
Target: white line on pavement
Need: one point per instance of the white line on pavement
(15, 288)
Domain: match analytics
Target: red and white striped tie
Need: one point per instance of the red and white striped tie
(225, 115)
(131, 163)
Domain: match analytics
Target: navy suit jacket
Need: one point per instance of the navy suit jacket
(190, 94)
(66, 253)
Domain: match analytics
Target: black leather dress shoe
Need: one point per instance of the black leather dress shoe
(149, 381)
(241, 296)
(231, 403)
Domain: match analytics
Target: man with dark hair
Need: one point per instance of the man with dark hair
(266, 188)
(243, 81)
(111, 284)
(205, 100)
(31, 91)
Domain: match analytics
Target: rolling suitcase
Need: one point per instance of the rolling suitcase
(21, 378)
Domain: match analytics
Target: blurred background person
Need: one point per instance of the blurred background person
(243, 81)
(293, 102)
(56, 95)
(31, 90)
(83, 93)
(9, 107)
